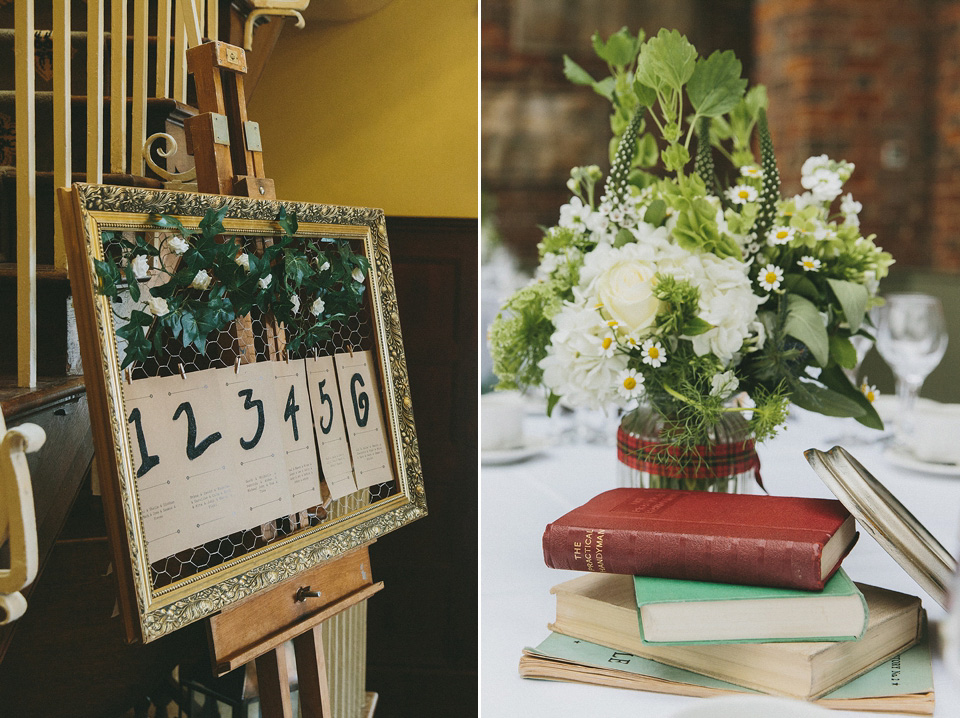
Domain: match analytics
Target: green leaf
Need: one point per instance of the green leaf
(834, 378)
(576, 74)
(288, 222)
(842, 351)
(297, 269)
(853, 299)
(666, 61)
(696, 326)
(821, 400)
(133, 286)
(165, 221)
(190, 329)
(552, 400)
(624, 236)
(716, 87)
(805, 324)
(108, 276)
(756, 100)
(801, 284)
(656, 213)
(605, 87)
(618, 50)
(646, 96)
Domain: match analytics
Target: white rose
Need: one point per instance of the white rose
(201, 280)
(316, 307)
(357, 275)
(626, 291)
(295, 301)
(157, 306)
(265, 281)
(178, 245)
(244, 261)
(140, 265)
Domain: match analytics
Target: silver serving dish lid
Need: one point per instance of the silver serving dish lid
(889, 522)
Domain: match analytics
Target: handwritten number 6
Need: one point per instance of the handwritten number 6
(147, 460)
(250, 403)
(361, 402)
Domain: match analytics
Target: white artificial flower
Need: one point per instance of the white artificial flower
(264, 282)
(653, 353)
(869, 391)
(317, 307)
(809, 264)
(824, 185)
(723, 384)
(751, 171)
(157, 306)
(742, 193)
(201, 280)
(770, 277)
(629, 384)
(295, 301)
(178, 245)
(140, 265)
(780, 235)
(324, 267)
(243, 260)
(357, 275)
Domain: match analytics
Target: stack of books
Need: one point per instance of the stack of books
(699, 593)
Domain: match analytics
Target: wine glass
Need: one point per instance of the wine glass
(911, 338)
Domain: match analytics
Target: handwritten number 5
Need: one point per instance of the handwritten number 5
(325, 399)
(147, 460)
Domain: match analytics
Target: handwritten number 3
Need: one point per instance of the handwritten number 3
(147, 460)
(250, 403)
(194, 450)
(361, 402)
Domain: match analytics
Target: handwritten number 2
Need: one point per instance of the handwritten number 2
(290, 413)
(361, 402)
(250, 403)
(194, 450)
(325, 399)
(147, 460)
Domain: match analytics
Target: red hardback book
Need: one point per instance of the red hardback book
(704, 536)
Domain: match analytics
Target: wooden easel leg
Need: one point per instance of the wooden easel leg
(274, 684)
(312, 675)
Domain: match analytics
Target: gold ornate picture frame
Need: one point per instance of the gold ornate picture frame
(156, 599)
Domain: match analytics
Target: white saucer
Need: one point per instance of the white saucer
(904, 460)
(752, 707)
(530, 448)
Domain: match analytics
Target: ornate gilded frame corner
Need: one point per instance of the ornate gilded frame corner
(151, 613)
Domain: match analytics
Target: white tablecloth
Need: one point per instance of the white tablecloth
(518, 500)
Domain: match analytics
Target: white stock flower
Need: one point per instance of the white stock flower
(317, 307)
(178, 245)
(140, 265)
(723, 384)
(201, 280)
(574, 214)
(264, 282)
(243, 260)
(295, 301)
(770, 277)
(742, 193)
(357, 275)
(824, 185)
(848, 205)
(157, 306)
(812, 164)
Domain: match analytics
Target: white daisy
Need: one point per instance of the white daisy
(629, 384)
(751, 171)
(608, 346)
(140, 265)
(316, 307)
(201, 280)
(295, 301)
(742, 193)
(869, 391)
(770, 277)
(780, 235)
(178, 245)
(653, 353)
(265, 281)
(157, 306)
(809, 264)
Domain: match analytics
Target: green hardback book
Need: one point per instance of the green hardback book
(903, 683)
(673, 612)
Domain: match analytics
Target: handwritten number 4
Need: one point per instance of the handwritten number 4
(290, 413)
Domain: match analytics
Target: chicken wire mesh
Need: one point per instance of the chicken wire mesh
(223, 349)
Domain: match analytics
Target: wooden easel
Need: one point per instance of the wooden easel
(229, 159)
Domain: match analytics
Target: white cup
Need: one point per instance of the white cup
(501, 421)
(936, 433)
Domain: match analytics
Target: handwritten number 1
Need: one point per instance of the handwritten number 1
(147, 460)
(194, 450)
(290, 413)
(249, 403)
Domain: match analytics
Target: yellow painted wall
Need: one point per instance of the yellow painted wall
(378, 112)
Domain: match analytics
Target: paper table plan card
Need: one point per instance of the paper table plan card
(328, 425)
(182, 462)
(361, 409)
(296, 430)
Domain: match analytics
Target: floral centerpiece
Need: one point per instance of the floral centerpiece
(696, 292)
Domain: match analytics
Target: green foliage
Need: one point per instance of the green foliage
(704, 166)
(716, 87)
(770, 190)
(805, 324)
(520, 335)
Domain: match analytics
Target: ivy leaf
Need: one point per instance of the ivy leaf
(716, 87)
(842, 351)
(805, 324)
(165, 221)
(666, 61)
(214, 216)
(108, 275)
(853, 299)
(287, 222)
(133, 286)
(190, 329)
(297, 268)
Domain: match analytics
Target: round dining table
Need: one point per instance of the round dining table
(554, 472)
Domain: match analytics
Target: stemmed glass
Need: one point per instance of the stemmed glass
(911, 338)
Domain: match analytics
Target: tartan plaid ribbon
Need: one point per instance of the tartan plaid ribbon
(712, 462)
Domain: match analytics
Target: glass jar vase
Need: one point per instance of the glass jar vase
(727, 463)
